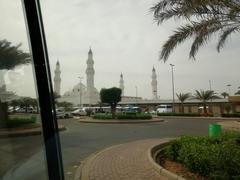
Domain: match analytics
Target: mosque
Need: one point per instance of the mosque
(82, 94)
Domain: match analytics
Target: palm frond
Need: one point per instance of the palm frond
(225, 35)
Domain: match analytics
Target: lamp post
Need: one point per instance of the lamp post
(80, 91)
(229, 89)
(136, 94)
(173, 93)
(210, 88)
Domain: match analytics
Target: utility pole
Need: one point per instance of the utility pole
(80, 91)
(173, 91)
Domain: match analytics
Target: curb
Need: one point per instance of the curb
(153, 150)
(83, 170)
(22, 132)
(120, 122)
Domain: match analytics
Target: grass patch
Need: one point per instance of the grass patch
(23, 121)
(123, 116)
(214, 158)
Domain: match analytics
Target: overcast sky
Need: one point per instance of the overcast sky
(124, 38)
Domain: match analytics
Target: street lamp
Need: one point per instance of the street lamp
(229, 89)
(136, 94)
(173, 93)
(80, 91)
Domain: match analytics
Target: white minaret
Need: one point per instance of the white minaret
(57, 79)
(154, 84)
(90, 77)
(121, 84)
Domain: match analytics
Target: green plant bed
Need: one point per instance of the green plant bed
(179, 114)
(122, 116)
(16, 122)
(237, 115)
(213, 158)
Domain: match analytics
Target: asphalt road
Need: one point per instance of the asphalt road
(23, 157)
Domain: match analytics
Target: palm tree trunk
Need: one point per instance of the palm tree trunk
(205, 109)
(3, 115)
(113, 110)
(182, 107)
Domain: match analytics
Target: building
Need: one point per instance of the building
(57, 79)
(80, 94)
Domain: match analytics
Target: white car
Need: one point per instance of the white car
(62, 114)
(79, 112)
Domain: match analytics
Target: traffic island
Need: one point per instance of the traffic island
(24, 131)
(123, 121)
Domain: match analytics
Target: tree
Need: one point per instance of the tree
(10, 57)
(238, 92)
(27, 102)
(15, 103)
(183, 97)
(205, 96)
(204, 19)
(66, 105)
(111, 96)
(224, 94)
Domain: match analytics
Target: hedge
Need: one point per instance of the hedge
(214, 158)
(179, 114)
(139, 116)
(231, 115)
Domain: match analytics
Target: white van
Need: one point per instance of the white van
(164, 108)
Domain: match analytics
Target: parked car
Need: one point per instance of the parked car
(61, 114)
(164, 108)
(79, 112)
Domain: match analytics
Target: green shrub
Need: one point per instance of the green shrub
(102, 116)
(179, 114)
(121, 116)
(209, 157)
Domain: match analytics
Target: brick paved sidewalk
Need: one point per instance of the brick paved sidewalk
(122, 162)
(230, 125)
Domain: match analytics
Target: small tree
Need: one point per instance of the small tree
(111, 96)
(66, 105)
(224, 94)
(205, 96)
(238, 92)
(183, 97)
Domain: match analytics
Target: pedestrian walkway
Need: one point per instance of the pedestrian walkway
(122, 162)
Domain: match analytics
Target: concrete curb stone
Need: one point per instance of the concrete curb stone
(159, 168)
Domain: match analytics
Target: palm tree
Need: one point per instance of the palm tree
(205, 96)
(238, 92)
(224, 94)
(204, 18)
(183, 97)
(10, 57)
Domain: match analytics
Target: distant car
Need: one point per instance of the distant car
(163, 108)
(79, 112)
